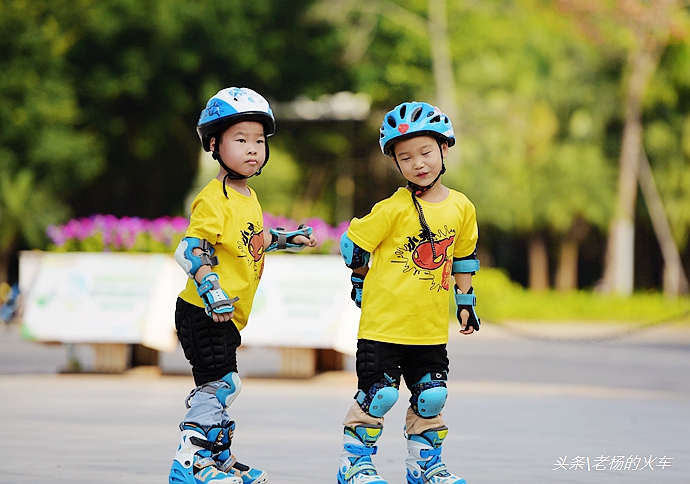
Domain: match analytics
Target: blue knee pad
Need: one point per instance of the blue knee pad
(228, 395)
(380, 397)
(429, 395)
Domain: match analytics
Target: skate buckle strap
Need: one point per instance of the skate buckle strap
(429, 452)
(363, 466)
(214, 448)
(438, 468)
(204, 462)
(360, 449)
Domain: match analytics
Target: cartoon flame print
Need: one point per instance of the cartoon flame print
(423, 256)
(256, 246)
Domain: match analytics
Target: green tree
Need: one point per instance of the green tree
(144, 70)
(638, 32)
(536, 99)
(45, 152)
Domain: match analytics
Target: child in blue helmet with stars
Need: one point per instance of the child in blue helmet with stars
(223, 255)
(406, 255)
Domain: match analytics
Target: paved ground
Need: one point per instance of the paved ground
(519, 407)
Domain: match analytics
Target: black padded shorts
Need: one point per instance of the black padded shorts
(412, 362)
(210, 347)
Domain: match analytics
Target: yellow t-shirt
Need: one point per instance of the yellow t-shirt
(405, 299)
(234, 226)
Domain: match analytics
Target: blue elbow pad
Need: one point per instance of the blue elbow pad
(184, 255)
(465, 266)
(354, 256)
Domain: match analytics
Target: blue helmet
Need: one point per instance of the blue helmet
(414, 119)
(232, 105)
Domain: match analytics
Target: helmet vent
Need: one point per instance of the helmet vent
(403, 110)
(416, 114)
(391, 121)
(436, 119)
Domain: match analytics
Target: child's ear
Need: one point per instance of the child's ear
(212, 144)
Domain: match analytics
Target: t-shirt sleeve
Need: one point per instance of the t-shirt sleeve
(369, 231)
(206, 221)
(469, 233)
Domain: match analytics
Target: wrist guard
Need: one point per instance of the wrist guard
(282, 239)
(467, 301)
(357, 287)
(215, 299)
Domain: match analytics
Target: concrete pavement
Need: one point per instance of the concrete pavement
(518, 408)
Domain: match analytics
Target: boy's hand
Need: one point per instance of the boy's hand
(291, 240)
(307, 242)
(463, 317)
(469, 321)
(222, 317)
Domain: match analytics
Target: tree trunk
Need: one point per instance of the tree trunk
(650, 26)
(566, 274)
(620, 250)
(675, 280)
(567, 271)
(4, 267)
(538, 263)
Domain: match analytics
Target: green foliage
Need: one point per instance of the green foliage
(499, 299)
(45, 152)
(535, 103)
(145, 69)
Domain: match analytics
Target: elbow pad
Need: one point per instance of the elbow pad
(354, 256)
(467, 265)
(184, 255)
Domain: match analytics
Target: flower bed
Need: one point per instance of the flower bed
(107, 233)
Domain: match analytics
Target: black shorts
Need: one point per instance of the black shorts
(412, 362)
(210, 347)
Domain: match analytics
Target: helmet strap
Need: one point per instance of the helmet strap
(418, 190)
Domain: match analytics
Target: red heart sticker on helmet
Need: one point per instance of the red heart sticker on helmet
(403, 128)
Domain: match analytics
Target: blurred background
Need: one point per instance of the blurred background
(572, 119)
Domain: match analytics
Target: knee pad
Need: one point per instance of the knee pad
(429, 395)
(380, 397)
(228, 395)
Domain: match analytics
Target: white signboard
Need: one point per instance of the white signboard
(302, 301)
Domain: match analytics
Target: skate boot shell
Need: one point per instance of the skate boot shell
(228, 463)
(355, 461)
(424, 464)
(193, 462)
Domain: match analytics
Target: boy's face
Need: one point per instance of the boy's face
(243, 147)
(420, 159)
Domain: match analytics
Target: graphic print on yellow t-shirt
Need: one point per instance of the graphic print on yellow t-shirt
(251, 246)
(422, 259)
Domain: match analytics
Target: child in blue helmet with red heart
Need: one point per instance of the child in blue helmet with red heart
(223, 255)
(406, 255)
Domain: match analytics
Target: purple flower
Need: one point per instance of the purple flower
(158, 235)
